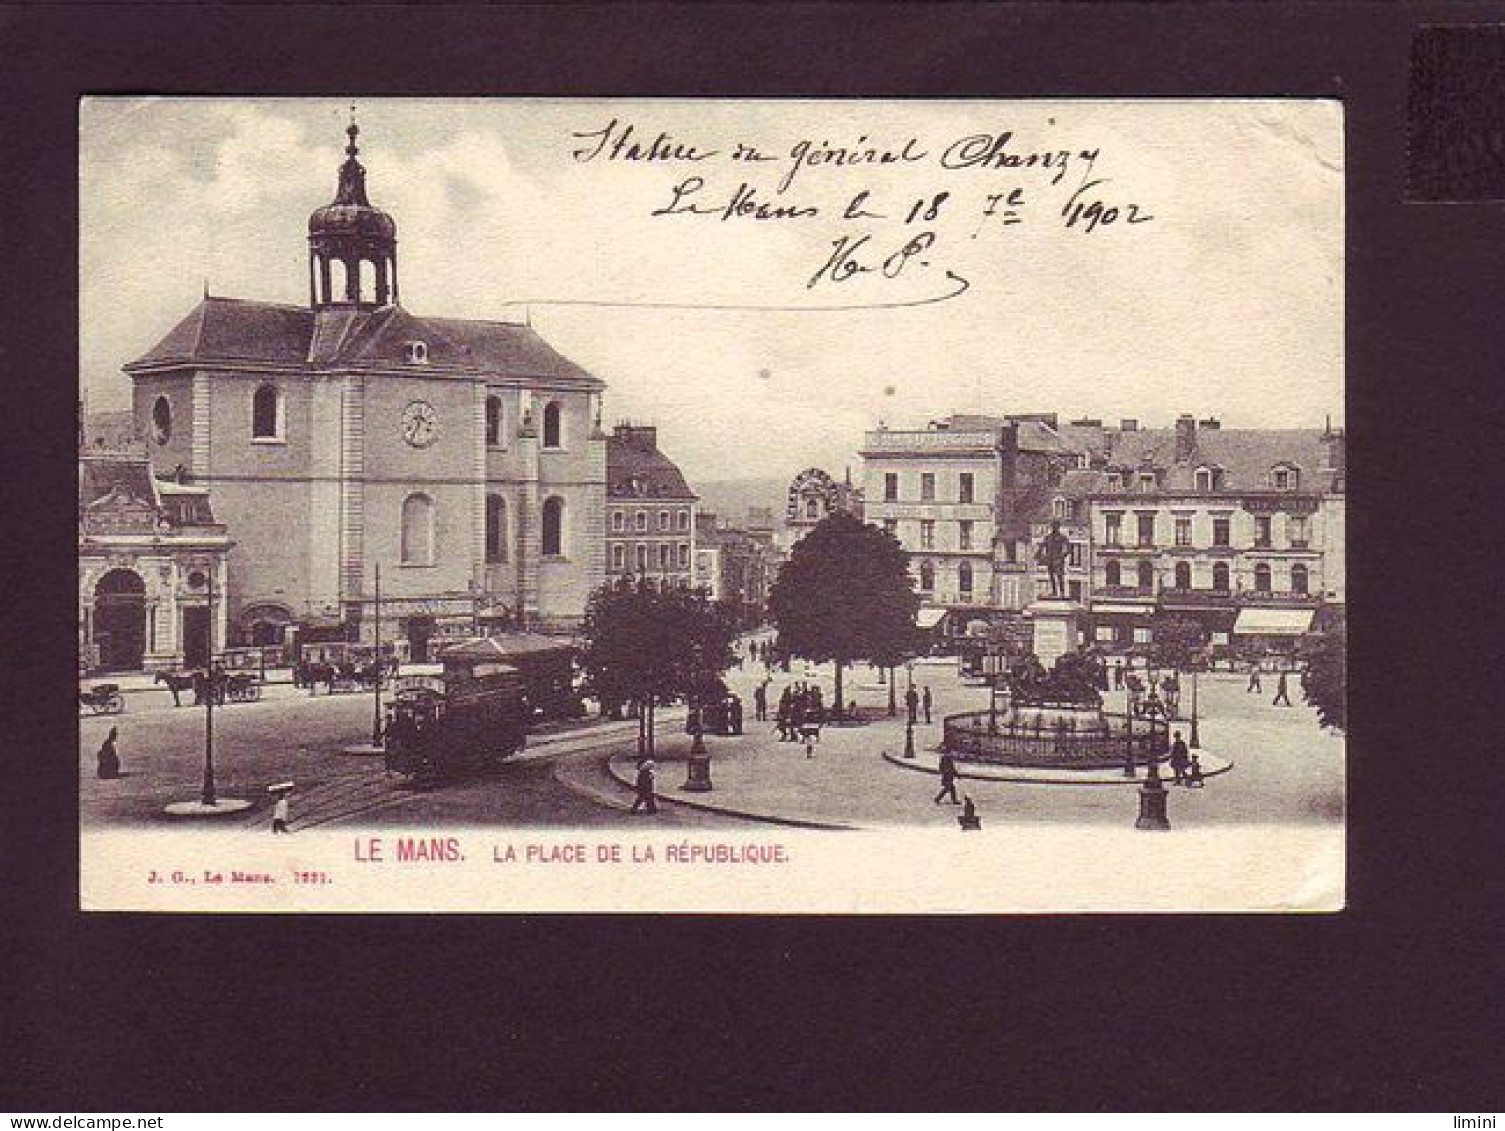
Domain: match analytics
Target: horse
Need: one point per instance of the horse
(176, 682)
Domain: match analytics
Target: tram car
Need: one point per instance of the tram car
(448, 720)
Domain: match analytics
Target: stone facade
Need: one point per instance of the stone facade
(151, 566)
(651, 510)
(460, 457)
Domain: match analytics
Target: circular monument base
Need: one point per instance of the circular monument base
(223, 808)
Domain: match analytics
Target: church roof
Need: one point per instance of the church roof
(227, 331)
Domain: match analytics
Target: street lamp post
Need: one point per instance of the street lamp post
(207, 797)
(1152, 795)
(698, 765)
(1196, 738)
(994, 665)
(376, 728)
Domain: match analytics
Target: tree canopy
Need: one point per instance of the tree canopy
(650, 644)
(846, 595)
(1324, 683)
(1176, 642)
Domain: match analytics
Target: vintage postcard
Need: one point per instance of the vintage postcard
(748, 506)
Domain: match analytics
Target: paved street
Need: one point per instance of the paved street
(1286, 770)
(558, 781)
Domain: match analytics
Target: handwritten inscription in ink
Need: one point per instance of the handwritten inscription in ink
(856, 201)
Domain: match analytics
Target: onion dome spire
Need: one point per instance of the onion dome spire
(352, 244)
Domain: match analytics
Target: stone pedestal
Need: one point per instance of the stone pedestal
(1056, 622)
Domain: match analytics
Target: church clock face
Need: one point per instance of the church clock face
(420, 424)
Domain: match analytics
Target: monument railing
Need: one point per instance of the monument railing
(970, 738)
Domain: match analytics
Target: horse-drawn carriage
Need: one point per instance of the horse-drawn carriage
(102, 699)
(450, 719)
(343, 667)
(225, 686)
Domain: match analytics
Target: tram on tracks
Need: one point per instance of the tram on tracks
(453, 719)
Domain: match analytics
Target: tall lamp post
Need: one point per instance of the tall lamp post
(208, 803)
(1152, 796)
(1196, 738)
(206, 796)
(909, 751)
(376, 727)
(698, 766)
(995, 671)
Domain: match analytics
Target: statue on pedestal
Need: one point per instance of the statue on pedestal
(1054, 550)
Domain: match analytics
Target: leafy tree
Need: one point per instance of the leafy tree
(1324, 683)
(1176, 642)
(846, 595)
(647, 645)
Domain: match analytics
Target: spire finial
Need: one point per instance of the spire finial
(353, 131)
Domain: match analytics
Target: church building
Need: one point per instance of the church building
(461, 458)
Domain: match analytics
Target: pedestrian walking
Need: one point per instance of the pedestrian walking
(948, 780)
(760, 702)
(645, 802)
(1253, 679)
(1179, 759)
(280, 814)
(925, 700)
(912, 702)
(1118, 676)
(1194, 774)
(108, 759)
(1282, 692)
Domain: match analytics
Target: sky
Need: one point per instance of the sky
(1211, 281)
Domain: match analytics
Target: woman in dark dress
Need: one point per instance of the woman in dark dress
(109, 756)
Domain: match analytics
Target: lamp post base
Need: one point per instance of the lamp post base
(909, 741)
(1152, 814)
(698, 777)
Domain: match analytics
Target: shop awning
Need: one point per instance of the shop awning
(929, 618)
(1131, 610)
(1273, 622)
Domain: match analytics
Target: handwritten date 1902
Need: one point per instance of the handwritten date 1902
(845, 262)
(1091, 212)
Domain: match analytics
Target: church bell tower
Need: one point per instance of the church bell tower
(352, 247)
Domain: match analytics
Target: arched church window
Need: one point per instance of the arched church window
(162, 420)
(553, 526)
(266, 413)
(553, 436)
(494, 421)
(418, 530)
(496, 528)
